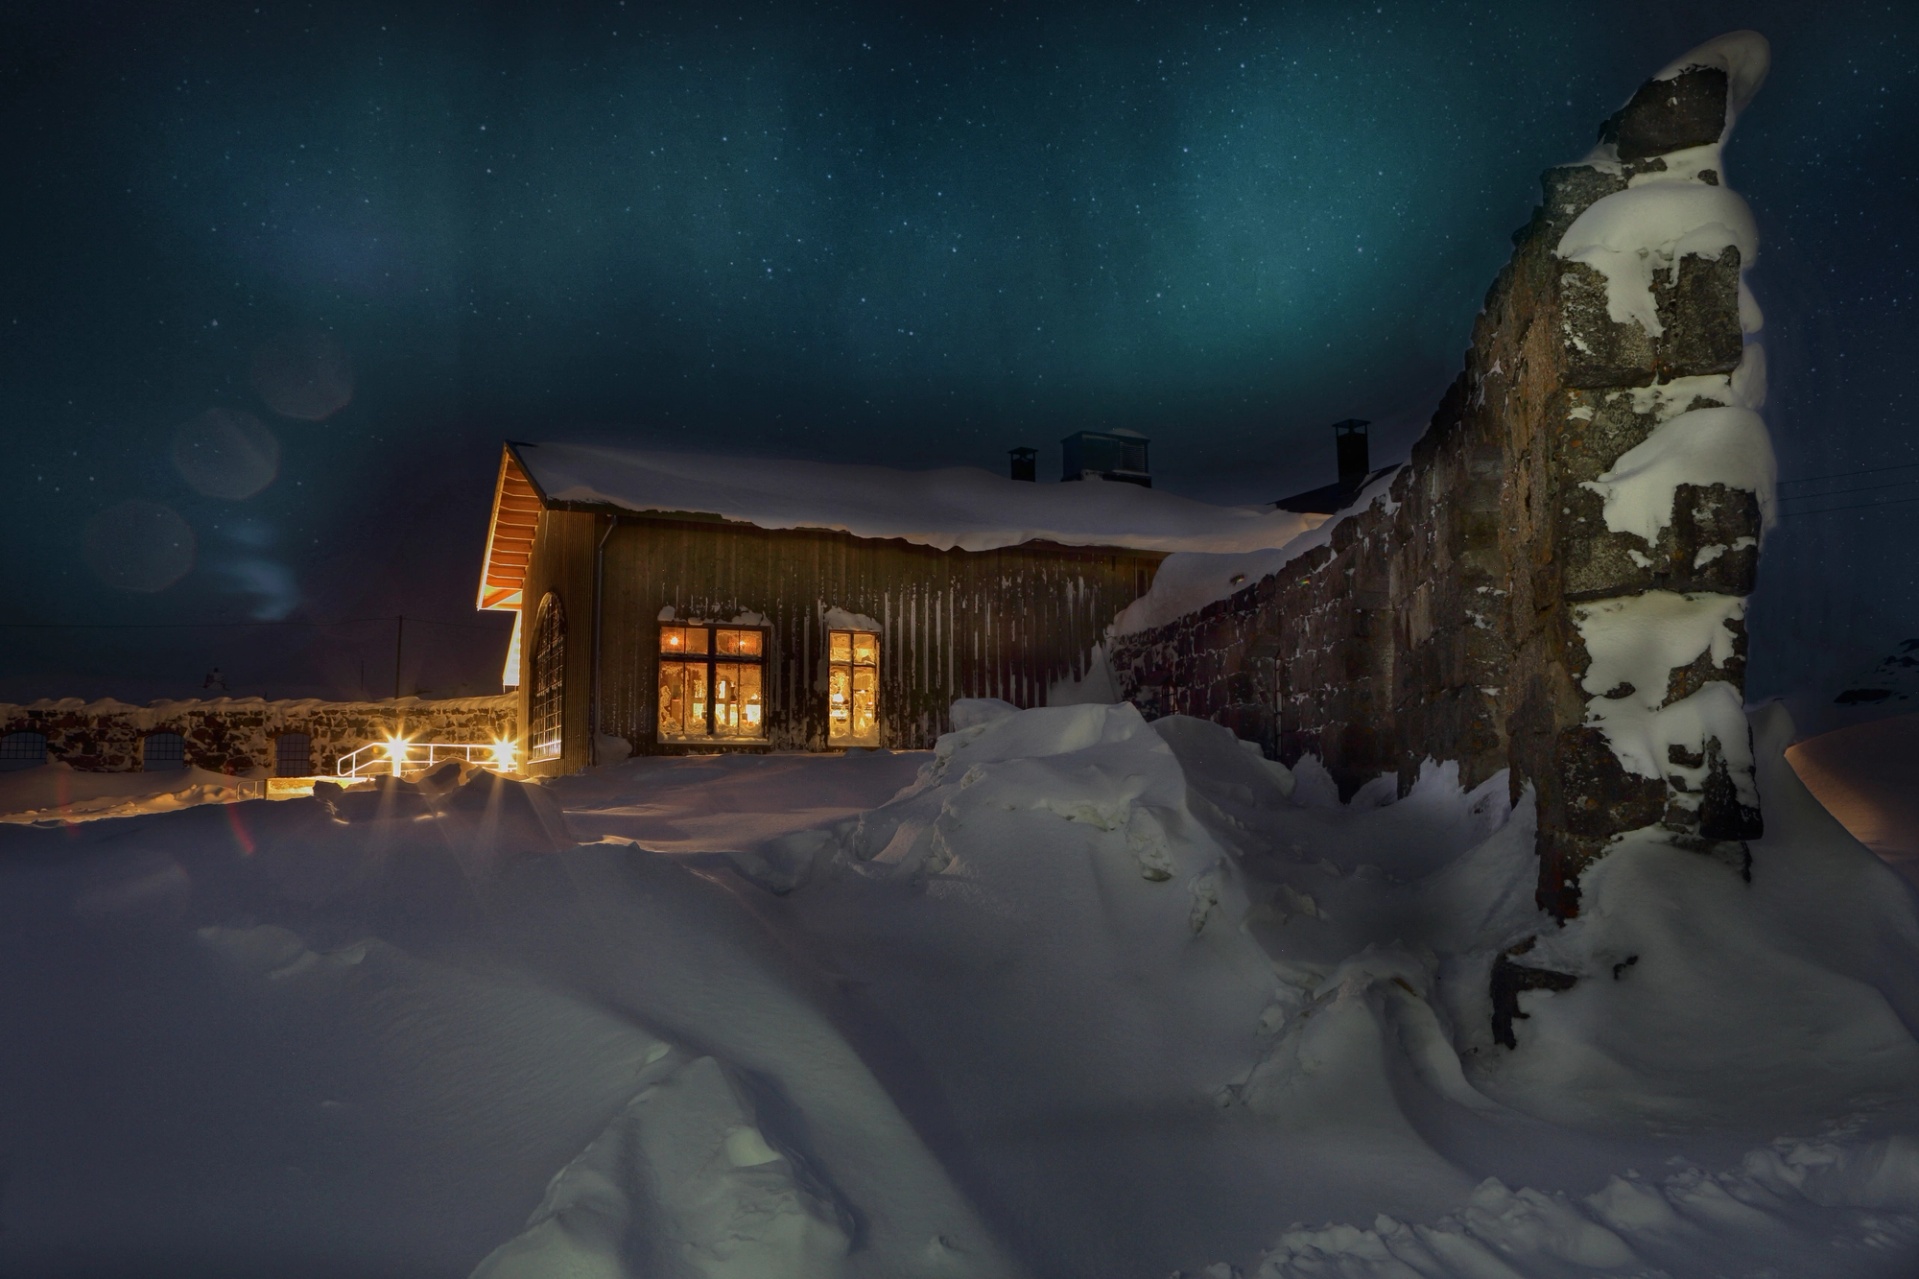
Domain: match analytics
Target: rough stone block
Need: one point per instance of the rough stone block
(1599, 797)
(1662, 116)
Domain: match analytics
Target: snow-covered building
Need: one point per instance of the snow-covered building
(674, 602)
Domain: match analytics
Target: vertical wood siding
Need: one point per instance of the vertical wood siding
(1007, 624)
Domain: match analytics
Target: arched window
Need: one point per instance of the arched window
(22, 750)
(292, 755)
(546, 705)
(163, 752)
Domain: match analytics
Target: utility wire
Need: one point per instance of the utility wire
(1846, 475)
(1861, 506)
(153, 626)
(1863, 488)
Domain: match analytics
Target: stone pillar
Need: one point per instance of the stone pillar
(1653, 483)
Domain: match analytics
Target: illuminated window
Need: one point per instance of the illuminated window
(163, 752)
(546, 706)
(853, 688)
(292, 755)
(712, 685)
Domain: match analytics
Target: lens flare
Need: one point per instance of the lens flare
(226, 453)
(138, 546)
(304, 375)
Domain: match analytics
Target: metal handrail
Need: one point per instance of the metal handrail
(410, 759)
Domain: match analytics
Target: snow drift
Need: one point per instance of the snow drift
(1086, 996)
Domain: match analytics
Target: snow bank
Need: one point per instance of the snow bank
(1687, 1221)
(728, 1206)
(957, 507)
(1705, 1006)
(1071, 994)
(58, 792)
(1789, 985)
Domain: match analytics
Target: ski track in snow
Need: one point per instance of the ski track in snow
(1073, 994)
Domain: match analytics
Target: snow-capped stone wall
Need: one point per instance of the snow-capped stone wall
(1555, 581)
(236, 735)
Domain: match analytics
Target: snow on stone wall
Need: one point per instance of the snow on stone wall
(236, 735)
(1554, 583)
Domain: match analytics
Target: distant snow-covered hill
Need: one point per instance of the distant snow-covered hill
(1893, 682)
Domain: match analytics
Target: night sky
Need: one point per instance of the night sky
(279, 278)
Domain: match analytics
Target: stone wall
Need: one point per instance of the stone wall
(236, 735)
(1587, 481)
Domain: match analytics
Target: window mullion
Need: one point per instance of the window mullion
(712, 683)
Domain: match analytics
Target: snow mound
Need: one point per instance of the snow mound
(58, 792)
(1087, 995)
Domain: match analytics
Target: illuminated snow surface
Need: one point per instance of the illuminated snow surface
(1073, 995)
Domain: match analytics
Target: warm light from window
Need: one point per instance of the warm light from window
(852, 711)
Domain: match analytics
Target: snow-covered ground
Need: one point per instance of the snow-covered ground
(58, 792)
(1073, 994)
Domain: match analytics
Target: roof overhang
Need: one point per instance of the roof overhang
(509, 535)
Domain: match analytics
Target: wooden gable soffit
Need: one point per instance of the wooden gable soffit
(509, 536)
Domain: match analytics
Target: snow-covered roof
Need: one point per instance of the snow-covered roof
(961, 508)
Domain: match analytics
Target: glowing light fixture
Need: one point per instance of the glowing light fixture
(396, 752)
(502, 755)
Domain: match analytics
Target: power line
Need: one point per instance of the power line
(157, 626)
(1846, 475)
(1864, 488)
(1861, 506)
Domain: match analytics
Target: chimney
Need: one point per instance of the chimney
(1025, 463)
(1349, 438)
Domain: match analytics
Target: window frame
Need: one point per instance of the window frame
(711, 659)
(171, 762)
(852, 666)
(14, 755)
(280, 760)
(546, 684)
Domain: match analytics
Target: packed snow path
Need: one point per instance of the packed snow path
(1074, 994)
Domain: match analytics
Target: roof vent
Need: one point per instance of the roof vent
(1106, 455)
(1025, 463)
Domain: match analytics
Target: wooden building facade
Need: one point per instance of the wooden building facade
(679, 631)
